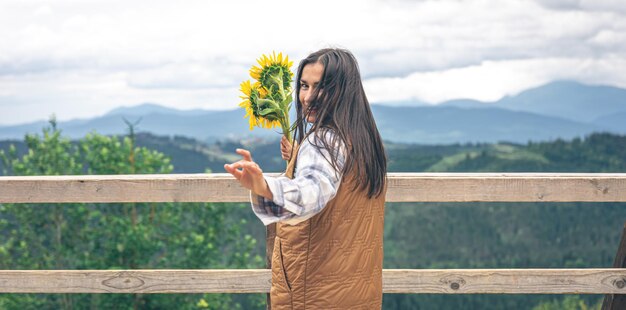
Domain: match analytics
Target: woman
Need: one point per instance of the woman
(329, 206)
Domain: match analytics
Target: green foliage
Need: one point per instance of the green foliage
(47, 155)
(115, 236)
(600, 152)
(568, 303)
(417, 235)
(504, 235)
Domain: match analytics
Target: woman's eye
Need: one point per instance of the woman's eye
(304, 86)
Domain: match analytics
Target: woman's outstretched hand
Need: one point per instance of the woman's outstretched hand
(285, 148)
(249, 174)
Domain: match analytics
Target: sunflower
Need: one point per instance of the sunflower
(268, 100)
(253, 102)
(274, 74)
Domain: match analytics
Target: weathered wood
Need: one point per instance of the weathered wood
(438, 281)
(617, 301)
(443, 187)
(122, 188)
(403, 187)
(505, 281)
(514, 187)
(135, 281)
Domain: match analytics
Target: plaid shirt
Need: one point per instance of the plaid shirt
(314, 184)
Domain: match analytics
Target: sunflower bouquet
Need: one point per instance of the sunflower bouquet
(268, 100)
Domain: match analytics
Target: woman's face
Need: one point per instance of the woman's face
(309, 81)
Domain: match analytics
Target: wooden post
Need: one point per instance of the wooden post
(270, 234)
(618, 301)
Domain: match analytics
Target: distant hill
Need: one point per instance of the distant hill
(561, 109)
(571, 100)
(199, 124)
(564, 99)
(153, 108)
(467, 103)
(444, 125)
(428, 125)
(616, 122)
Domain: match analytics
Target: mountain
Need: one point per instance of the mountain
(561, 109)
(565, 99)
(430, 125)
(615, 122)
(466, 103)
(200, 124)
(445, 125)
(18, 131)
(152, 108)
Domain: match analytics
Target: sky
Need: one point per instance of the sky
(83, 58)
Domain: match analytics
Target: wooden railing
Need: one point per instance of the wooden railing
(402, 187)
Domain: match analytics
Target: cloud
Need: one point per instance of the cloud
(589, 5)
(466, 34)
(395, 37)
(491, 80)
(83, 95)
(78, 58)
(190, 75)
(560, 4)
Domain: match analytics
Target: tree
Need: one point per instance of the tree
(571, 302)
(114, 236)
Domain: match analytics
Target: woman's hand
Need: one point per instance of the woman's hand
(249, 174)
(285, 148)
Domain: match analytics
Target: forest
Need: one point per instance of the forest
(219, 235)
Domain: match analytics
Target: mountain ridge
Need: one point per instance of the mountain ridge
(521, 118)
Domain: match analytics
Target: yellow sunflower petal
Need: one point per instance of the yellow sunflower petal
(255, 72)
(263, 61)
(246, 87)
(262, 91)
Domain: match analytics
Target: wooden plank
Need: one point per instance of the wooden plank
(403, 187)
(135, 281)
(505, 281)
(617, 301)
(501, 187)
(122, 188)
(424, 281)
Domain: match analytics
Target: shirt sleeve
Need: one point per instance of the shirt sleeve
(315, 183)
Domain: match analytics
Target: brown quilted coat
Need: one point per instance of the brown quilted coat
(334, 259)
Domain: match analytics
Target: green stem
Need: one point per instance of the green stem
(270, 102)
(284, 124)
(282, 90)
(283, 106)
(278, 79)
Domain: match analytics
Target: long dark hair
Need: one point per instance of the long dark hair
(341, 106)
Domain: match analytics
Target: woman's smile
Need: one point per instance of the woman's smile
(311, 76)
